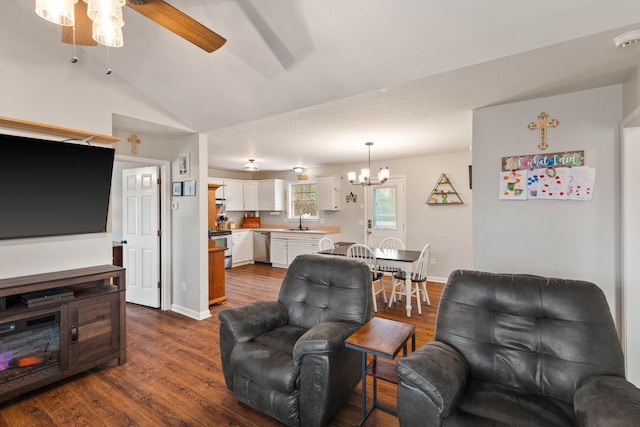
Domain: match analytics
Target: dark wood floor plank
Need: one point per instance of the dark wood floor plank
(173, 375)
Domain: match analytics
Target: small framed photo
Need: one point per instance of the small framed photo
(176, 189)
(189, 188)
(184, 165)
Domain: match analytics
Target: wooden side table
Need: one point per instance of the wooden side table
(384, 338)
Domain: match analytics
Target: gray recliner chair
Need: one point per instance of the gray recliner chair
(518, 350)
(287, 358)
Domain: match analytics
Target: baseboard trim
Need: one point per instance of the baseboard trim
(190, 313)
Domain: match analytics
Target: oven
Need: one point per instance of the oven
(223, 240)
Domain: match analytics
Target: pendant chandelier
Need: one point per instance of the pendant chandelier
(106, 16)
(364, 178)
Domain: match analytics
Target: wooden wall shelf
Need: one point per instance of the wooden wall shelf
(55, 130)
(444, 193)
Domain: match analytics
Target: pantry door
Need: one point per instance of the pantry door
(385, 211)
(141, 235)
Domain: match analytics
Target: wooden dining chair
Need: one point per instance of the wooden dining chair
(418, 281)
(365, 254)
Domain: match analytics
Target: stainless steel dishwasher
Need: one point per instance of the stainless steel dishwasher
(262, 246)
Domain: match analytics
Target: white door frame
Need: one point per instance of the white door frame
(404, 210)
(165, 222)
(630, 241)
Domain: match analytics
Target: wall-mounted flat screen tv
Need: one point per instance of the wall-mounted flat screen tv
(50, 188)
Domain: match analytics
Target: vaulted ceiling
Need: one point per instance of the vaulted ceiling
(307, 82)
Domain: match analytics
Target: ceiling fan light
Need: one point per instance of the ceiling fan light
(251, 165)
(99, 9)
(105, 33)
(57, 11)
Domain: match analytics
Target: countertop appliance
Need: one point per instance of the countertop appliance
(262, 246)
(223, 240)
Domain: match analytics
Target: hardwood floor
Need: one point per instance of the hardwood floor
(173, 374)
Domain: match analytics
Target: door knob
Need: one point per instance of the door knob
(124, 242)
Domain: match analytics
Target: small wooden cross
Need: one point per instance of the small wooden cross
(133, 139)
(543, 124)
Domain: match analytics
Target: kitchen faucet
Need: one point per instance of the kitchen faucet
(300, 226)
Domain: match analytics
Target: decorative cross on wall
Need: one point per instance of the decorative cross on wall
(134, 140)
(543, 124)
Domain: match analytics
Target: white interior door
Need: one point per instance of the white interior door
(385, 211)
(140, 231)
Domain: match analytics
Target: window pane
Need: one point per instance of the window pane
(303, 200)
(384, 208)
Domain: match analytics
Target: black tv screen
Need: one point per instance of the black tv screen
(50, 188)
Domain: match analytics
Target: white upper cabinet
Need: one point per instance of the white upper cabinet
(234, 194)
(328, 190)
(241, 195)
(250, 195)
(271, 195)
(220, 190)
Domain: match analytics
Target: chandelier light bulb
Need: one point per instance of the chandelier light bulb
(364, 178)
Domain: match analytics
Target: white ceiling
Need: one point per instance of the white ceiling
(308, 82)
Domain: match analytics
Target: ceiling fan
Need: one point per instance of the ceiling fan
(158, 11)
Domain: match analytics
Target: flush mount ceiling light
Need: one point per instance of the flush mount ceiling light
(298, 169)
(364, 178)
(251, 165)
(627, 39)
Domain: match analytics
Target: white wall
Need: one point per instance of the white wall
(40, 84)
(189, 234)
(567, 239)
(446, 228)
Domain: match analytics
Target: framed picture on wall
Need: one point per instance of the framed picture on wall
(189, 188)
(176, 189)
(184, 165)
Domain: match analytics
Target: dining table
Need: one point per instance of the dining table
(406, 260)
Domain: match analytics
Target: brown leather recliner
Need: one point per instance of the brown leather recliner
(287, 358)
(518, 350)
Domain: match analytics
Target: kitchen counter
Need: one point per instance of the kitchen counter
(280, 229)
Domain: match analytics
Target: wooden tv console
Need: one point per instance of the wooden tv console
(92, 325)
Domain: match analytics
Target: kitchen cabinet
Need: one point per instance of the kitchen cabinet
(279, 256)
(219, 193)
(312, 241)
(328, 191)
(216, 275)
(234, 194)
(214, 209)
(242, 247)
(241, 195)
(250, 195)
(271, 195)
(288, 245)
(295, 247)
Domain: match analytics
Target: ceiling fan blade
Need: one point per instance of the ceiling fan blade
(83, 27)
(177, 22)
